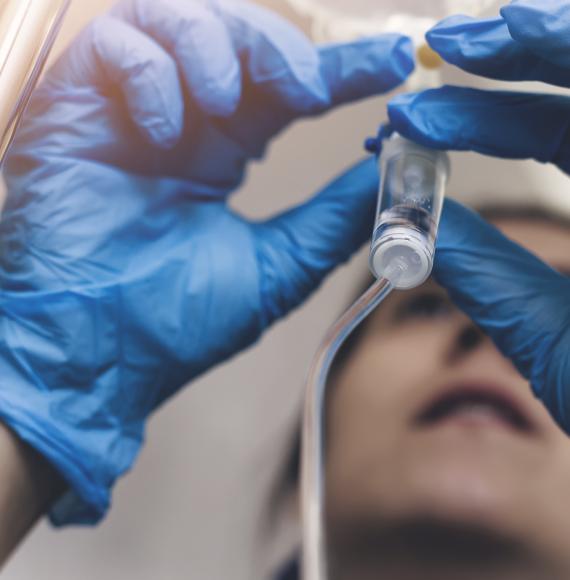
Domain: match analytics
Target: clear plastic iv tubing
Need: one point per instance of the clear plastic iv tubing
(314, 553)
(28, 29)
(410, 201)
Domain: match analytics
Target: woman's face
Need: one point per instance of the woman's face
(441, 463)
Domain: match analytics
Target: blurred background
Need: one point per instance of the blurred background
(194, 506)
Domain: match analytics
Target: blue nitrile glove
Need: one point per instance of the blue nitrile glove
(530, 41)
(520, 302)
(124, 272)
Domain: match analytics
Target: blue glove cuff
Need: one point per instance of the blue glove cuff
(87, 500)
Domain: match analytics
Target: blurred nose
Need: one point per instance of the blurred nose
(467, 340)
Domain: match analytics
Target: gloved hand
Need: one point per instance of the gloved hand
(529, 42)
(124, 272)
(522, 304)
(519, 301)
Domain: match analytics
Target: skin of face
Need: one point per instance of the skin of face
(495, 496)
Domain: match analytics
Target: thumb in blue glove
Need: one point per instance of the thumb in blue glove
(521, 303)
(517, 300)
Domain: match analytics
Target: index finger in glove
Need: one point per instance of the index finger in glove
(226, 48)
(497, 123)
(520, 302)
(514, 47)
(281, 61)
(366, 67)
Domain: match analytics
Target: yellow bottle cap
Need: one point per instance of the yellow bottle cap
(428, 58)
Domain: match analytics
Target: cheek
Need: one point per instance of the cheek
(385, 373)
(373, 400)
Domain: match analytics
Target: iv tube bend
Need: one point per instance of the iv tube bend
(312, 479)
(410, 201)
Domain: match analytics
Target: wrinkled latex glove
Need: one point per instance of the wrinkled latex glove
(530, 41)
(124, 272)
(520, 302)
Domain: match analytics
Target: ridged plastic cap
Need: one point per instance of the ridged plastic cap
(404, 257)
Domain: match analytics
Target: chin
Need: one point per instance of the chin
(462, 481)
(424, 547)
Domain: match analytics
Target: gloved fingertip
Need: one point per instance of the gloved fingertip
(162, 134)
(217, 105)
(403, 57)
(400, 113)
(430, 118)
(523, 11)
(445, 36)
(389, 56)
(164, 127)
(362, 68)
(542, 29)
(222, 106)
(222, 98)
(450, 26)
(530, 20)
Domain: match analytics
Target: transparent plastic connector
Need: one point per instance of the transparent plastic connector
(410, 201)
(402, 251)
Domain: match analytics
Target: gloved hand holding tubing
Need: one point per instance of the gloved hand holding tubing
(518, 301)
(124, 272)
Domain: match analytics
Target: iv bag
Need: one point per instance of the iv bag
(342, 20)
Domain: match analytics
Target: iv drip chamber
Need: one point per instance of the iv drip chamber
(410, 201)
